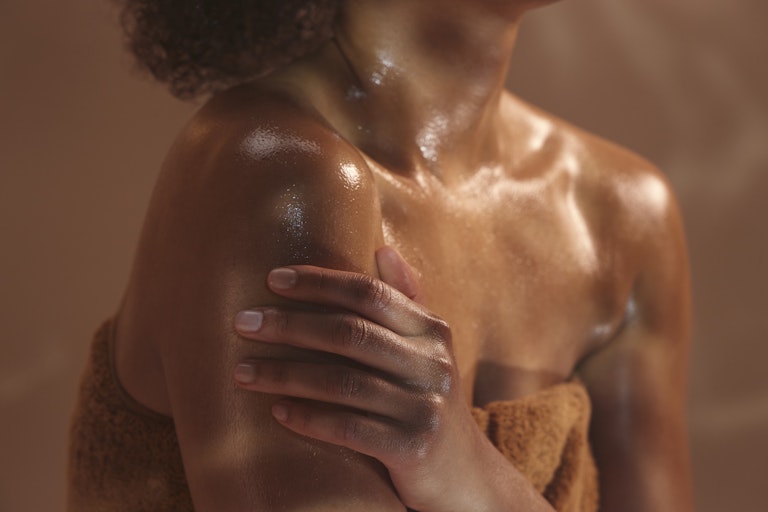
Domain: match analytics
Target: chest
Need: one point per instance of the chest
(524, 281)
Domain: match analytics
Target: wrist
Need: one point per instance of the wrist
(504, 488)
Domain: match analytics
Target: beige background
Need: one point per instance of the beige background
(684, 82)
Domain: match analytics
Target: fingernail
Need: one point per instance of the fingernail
(248, 321)
(280, 412)
(282, 278)
(245, 373)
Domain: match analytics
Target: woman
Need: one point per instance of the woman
(275, 352)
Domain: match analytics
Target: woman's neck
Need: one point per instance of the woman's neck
(422, 80)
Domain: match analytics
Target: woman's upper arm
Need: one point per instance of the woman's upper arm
(638, 380)
(232, 204)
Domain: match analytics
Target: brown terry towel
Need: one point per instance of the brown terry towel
(545, 436)
(125, 457)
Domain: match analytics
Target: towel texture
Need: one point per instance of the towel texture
(546, 437)
(122, 456)
(125, 457)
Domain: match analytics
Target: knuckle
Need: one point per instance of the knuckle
(429, 414)
(349, 429)
(376, 293)
(381, 295)
(344, 384)
(440, 330)
(443, 374)
(443, 364)
(423, 434)
(350, 331)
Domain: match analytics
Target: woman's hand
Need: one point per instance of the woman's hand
(395, 395)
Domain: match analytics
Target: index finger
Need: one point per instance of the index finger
(367, 296)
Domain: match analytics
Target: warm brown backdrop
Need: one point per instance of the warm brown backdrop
(684, 82)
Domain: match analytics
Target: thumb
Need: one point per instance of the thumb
(396, 272)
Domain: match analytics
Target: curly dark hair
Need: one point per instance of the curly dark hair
(201, 46)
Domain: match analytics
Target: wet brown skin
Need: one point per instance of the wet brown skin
(548, 252)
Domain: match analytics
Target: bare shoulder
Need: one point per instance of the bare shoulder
(634, 189)
(637, 379)
(267, 138)
(255, 181)
(637, 210)
(629, 205)
(616, 181)
(262, 174)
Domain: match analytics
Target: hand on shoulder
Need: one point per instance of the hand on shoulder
(249, 186)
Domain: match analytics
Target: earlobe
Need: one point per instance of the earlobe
(396, 272)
